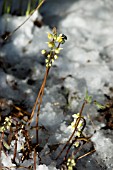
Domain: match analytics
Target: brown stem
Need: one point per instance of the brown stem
(38, 112)
(0, 148)
(38, 101)
(35, 159)
(39, 95)
(15, 149)
(80, 157)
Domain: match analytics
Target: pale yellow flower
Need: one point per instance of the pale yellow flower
(59, 38)
(57, 50)
(48, 56)
(50, 36)
(43, 51)
(76, 144)
(70, 163)
(46, 60)
(51, 44)
(75, 116)
(55, 57)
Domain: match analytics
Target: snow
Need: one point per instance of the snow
(44, 167)
(86, 62)
(104, 147)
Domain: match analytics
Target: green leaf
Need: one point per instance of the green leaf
(40, 1)
(88, 98)
(99, 106)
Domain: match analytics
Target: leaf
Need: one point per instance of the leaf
(99, 106)
(88, 98)
(54, 30)
(40, 1)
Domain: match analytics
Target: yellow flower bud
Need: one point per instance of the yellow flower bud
(43, 51)
(46, 60)
(6, 119)
(59, 38)
(50, 65)
(57, 50)
(50, 36)
(52, 60)
(48, 56)
(76, 144)
(70, 163)
(75, 116)
(55, 57)
(50, 44)
(47, 65)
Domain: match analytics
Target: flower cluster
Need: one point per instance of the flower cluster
(54, 43)
(79, 127)
(70, 163)
(6, 125)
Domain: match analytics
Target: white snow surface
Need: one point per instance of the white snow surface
(86, 62)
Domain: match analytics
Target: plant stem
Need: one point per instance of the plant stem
(38, 102)
(80, 157)
(16, 139)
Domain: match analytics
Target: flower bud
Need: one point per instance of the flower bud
(50, 36)
(43, 51)
(50, 44)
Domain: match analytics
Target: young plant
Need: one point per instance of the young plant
(54, 42)
(76, 127)
(5, 127)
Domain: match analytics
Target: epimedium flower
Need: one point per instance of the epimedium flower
(50, 36)
(6, 125)
(54, 43)
(73, 124)
(70, 163)
(76, 116)
(51, 44)
(79, 127)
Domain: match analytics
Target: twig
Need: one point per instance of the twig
(80, 157)
(15, 149)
